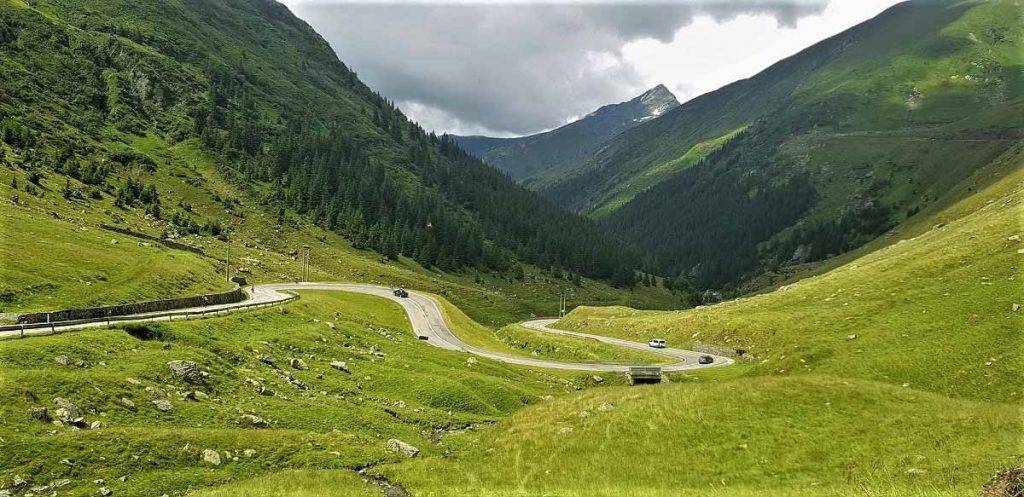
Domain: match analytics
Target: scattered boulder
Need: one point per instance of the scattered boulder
(40, 413)
(605, 406)
(188, 371)
(249, 452)
(95, 425)
(395, 490)
(63, 360)
(471, 360)
(255, 421)
(405, 449)
(1015, 307)
(195, 396)
(297, 363)
(340, 366)
(269, 361)
(106, 492)
(67, 413)
(125, 401)
(211, 457)
(597, 379)
(1014, 238)
(163, 405)
(1008, 483)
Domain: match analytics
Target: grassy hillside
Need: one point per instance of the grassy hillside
(842, 141)
(896, 374)
(265, 96)
(622, 193)
(58, 255)
(543, 158)
(397, 387)
(933, 310)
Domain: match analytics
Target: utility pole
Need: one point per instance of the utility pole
(561, 304)
(305, 262)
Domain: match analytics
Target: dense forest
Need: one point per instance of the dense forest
(288, 115)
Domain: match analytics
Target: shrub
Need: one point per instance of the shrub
(146, 331)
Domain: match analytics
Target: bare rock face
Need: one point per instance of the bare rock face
(187, 371)
(405, 449)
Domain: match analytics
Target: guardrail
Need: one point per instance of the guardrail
(57, 327)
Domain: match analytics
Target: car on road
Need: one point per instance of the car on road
(705, 359)
(658, 343)
(400, 292)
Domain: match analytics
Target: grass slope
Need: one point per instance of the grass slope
(923, 401)
(622, 192)
(398, 388)
(56, 255)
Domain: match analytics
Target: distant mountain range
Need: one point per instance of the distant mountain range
(541, 158)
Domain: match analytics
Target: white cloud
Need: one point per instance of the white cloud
(708, 54)
(504, 67)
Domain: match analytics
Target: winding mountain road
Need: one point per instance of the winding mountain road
(424, 314)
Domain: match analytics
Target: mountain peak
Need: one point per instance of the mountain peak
(657, 100)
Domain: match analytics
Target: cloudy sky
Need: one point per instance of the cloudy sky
(506, 68)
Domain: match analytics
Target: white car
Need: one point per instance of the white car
(658, 343)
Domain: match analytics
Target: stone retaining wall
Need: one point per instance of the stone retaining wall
(236, 295)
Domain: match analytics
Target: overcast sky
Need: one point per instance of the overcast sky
(505, 68)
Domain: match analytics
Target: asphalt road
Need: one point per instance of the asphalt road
(427, 320)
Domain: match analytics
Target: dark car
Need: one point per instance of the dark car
(399, 292)
(705, 359)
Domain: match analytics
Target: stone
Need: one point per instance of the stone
(605, 406)
(852, 336)
(125, 401)
(471, 360)
(297, 363)
(163, 405)
(249, 452)
(40, 413)
(395, 491)
(19, 481)
(105, 492)
(404, 448)
(1006, 483)
(67, 412)
(1015, 307)
(1014, 238)
(269, 361)
(95, 425)
(340, 366)
(188, 371)
(63, 360)
(255, 421)
(597, 379)
(211, 456)
(916, 471)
